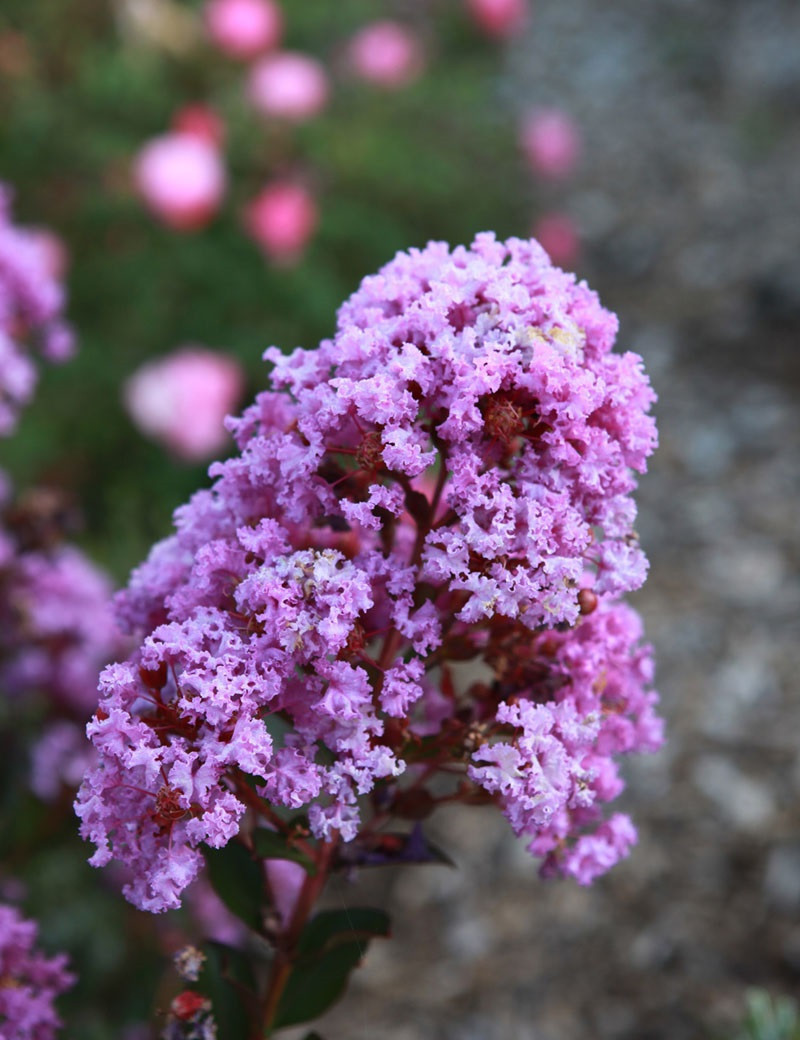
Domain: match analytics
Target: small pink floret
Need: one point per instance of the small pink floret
(244, 29)
(289, 86)
(281, 219)
(551, 142)
(181, 179)
(183, 399)
(387, 54)
(498, 17)
(200, 121)
(557, 234)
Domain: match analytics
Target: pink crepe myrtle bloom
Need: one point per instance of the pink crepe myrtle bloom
(281, 219)
(498, 17)
(288, 85)
(181, 178)
(200, 121)
(386, 53)
(182, 400)
(558, 236)
(447, 478)
(551, 142)
(29, 981)
(56, 628)
(243, 29)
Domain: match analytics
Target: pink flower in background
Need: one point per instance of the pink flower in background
(557, 234)
(200, 121)
(288, 86)
(244, 28)
(551, 142)
(285, 880)
(498, 17)
(281, 219)
(386, 53)
(181, 178)
(183, 399)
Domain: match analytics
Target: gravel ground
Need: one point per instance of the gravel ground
(689, 198)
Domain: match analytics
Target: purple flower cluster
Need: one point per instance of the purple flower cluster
(56, 629)
(29, 981)
(56, 632)
(31, 304)
(447, 480)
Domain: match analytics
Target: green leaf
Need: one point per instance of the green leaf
(332, 927)
(227, 980)
(333, 943)
(272, 845)
(239, 882)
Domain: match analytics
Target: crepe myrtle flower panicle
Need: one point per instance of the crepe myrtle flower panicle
(447, 479)
(29, 981)
(31, 309)
(56, 628)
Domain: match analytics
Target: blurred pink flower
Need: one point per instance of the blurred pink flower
(288, 86)
(181, 179)
(551, 142)
(285, 880)
(281, 219)
(499, 17)
(200, 121)
(53, 253)
(183, 398)
(386, 53)
(244, 28)
(558, 236)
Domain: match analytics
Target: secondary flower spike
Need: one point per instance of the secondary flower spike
(447, 479)
(29, 981)
(31, 309)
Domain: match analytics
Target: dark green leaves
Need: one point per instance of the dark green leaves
(332, 944)
(227, 979)
(272, 845)
(239, 882)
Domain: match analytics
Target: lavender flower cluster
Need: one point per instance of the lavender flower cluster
(29, 981)
(31, 305)
(412, 566)
(56, 632)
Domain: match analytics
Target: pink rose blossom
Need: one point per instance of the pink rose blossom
(200, 121)
(183, 399)
(281, 219)
(244, 28)
(289, 86)
(181, 179)
(558, 236)
(386, 53)
(498, 17)
(551, 142)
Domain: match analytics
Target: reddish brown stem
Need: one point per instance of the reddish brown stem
(287, 941)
